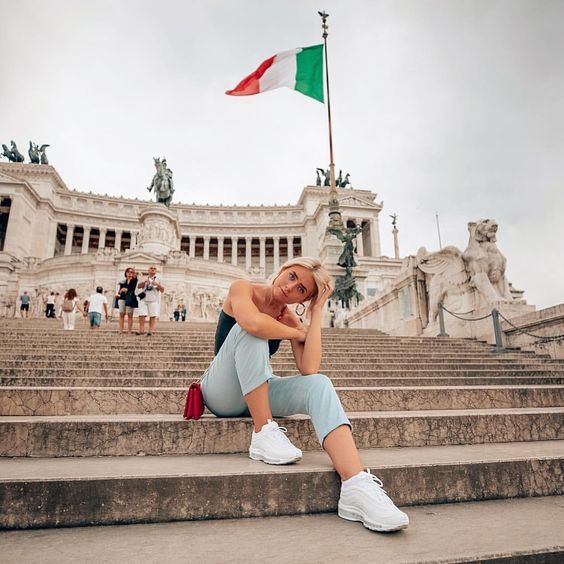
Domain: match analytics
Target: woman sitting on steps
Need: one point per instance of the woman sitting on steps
(239, 382)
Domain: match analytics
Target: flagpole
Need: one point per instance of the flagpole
(334, 213)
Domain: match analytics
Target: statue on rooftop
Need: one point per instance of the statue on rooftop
(326, 174)
(346, 182)
(43, 154)
(13, 155)
(17, 156)
(33, 153)
(162, 183)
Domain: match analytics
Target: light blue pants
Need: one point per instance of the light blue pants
(242, 365)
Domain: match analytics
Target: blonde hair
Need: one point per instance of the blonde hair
(320, 275)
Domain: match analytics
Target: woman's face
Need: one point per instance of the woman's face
(130, 273)
(294, 285)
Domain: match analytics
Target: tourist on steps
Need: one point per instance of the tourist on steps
(150, 303)
(96, 304)
(24, 304)
(69, 307)
(239, 382)
(127, 299)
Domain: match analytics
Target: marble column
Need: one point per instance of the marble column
(234, 250)
(375, 231)
(102, 240)
(192, 247)
(290, 247)
(133, 240)
(359, 241)
(276, 253)
(118, 240)
(396, 242)
(206, 248)
(68, 240)
(220, 249)
(262, 254)
(248, 252)
(86, 240)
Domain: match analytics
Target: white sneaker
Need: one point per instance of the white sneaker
(365, 500)
(271, 445)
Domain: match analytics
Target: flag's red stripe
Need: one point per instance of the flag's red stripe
(250, 84)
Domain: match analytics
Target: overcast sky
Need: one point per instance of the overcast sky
(448, 106)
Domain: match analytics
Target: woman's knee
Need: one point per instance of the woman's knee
(319, 382)
(248, 340)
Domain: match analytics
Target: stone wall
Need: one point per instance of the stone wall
(547, 322)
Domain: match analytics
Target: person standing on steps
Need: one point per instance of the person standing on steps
(149, 300)
(240, 382)
(50, 309)
(127, 299)
(24, 304)
(69, 307)
(96, 304)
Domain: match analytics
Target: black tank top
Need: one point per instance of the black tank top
(224, 325)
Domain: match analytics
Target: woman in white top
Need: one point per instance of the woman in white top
(70, 305)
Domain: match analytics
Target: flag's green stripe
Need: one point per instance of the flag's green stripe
(309, 76)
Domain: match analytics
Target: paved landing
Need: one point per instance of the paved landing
(514, 530)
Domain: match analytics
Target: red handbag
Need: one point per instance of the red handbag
(194, 406)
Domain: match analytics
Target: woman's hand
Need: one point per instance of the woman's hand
(318, 303)
(289, 318)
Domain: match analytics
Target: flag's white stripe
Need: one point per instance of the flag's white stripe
(282, 72)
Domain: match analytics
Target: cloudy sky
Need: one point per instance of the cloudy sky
(453, 107)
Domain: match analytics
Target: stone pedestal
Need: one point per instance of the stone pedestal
(160, 231)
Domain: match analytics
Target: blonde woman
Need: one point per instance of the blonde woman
(239, 382)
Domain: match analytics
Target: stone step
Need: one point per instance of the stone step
(111, 400)
(519, 530)
(153, 344)
(59, 492)
(278, 367)
(151, 381)
(58, 333)
(55, 372)
(129, 435)
(287, 356)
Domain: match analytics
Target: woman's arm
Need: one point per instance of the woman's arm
(76, 302)
(308, 353)
(254, 321)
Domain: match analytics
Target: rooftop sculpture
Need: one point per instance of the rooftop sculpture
(162, 183)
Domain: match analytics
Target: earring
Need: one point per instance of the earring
(301, 311)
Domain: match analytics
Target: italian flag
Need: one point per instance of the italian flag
(300, 69)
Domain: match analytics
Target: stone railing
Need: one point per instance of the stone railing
(528, 331)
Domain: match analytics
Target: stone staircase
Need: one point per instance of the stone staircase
(85, 415)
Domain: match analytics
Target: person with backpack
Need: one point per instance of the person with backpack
(70, 305)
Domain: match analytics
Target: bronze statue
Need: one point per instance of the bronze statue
(345, 182)
(43, 154)
(340, 178)
(318, 179)
(346, 260)
(162, 183)
(17, 156)
(326, 174)
(346, 291)
(33, 153)
(6, 152)
(394, 219)
(13, 155)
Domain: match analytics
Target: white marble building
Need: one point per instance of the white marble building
(53, 238)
